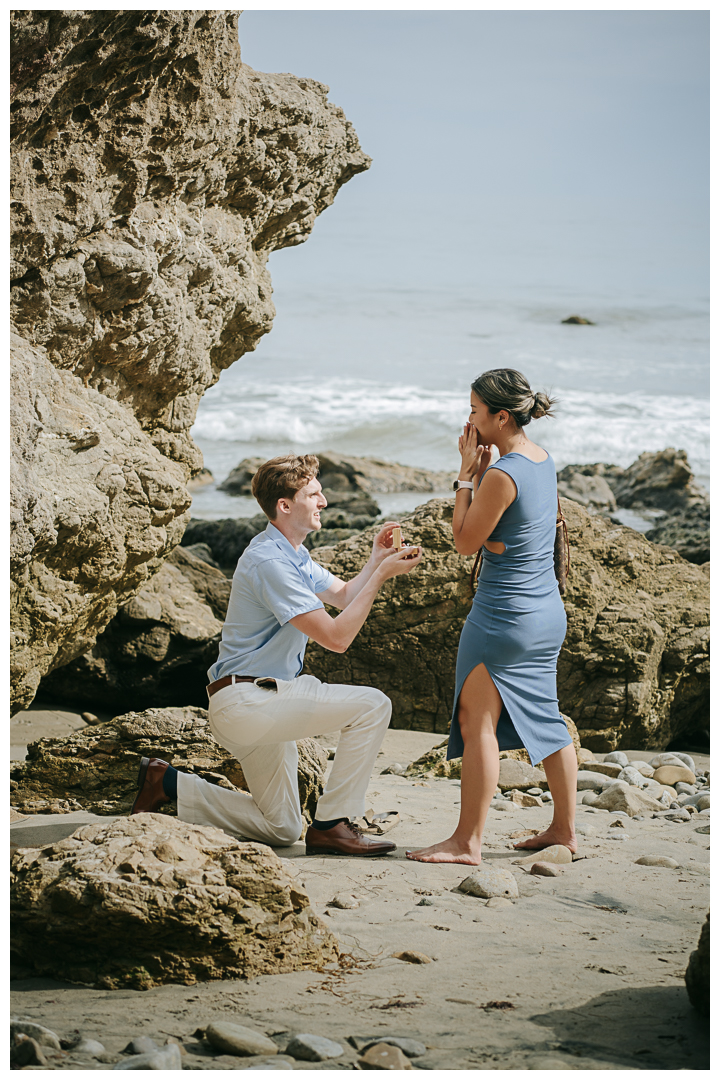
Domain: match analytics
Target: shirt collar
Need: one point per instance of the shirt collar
(298, 557)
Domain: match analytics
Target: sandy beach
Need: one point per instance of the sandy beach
(584, 970)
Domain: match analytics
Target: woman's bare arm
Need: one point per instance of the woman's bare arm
(475, 518)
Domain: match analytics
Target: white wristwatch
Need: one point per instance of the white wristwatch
(462, 484)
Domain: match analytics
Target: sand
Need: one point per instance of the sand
(591, 962)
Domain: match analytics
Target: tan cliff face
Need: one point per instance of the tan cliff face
(152, 175)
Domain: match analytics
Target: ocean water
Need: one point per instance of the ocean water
(386, 372)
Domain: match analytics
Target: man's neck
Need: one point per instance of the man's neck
(293, 534)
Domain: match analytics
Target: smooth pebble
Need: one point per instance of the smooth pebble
(488, 881)
(169, 1057)
(313, 1048)
(618, 757)
(410, 1047)
(657, 860)
(239, 1040)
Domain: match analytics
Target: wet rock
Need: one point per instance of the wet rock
(577, 320)
(544, 869)
(384, 1056)
(657, 860)
(672, 774)
(410, 956)
(168, 1057)
(149, 281)
(556, 854)
(489, 881)
(697, 975)
(96, 768)
(226, 538)
(185, 902)
(687, 532)
(635, 611)
(411, 1048)
(313, 1048)
(42, 1035)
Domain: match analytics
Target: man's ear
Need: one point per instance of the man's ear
(283, 506)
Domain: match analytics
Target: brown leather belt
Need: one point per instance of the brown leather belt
(228, 680)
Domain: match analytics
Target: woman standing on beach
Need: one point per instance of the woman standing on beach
(505, 679)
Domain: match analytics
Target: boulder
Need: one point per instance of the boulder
(590, 489)
(630, 799)
(138, 273)
(697, 976)
(226, 538)
(674, 774)
(518, 775)
(633, 670)
(662, 480)
(157, 649)
(96, 768)
(687, 532)
(160, 901)
(345, 477)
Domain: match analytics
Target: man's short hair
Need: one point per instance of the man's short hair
(282, 478)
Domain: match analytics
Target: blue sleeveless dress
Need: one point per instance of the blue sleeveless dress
(517, 622)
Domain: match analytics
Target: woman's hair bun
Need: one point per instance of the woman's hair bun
(542, 407)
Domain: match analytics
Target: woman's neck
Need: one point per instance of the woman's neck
(515, 442)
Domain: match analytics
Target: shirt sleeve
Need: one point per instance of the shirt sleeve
(322, 578)
(280, 587)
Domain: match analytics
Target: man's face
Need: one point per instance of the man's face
(304, 509)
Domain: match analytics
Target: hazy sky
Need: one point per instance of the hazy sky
(496, 133)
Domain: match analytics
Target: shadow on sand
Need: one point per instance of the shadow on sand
(652, 1027)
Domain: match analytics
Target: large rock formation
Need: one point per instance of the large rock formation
(152, 175)
(663, 480)
(160, 901)
(96, 768)
(157, 649)
(340, 474)
(633, 670)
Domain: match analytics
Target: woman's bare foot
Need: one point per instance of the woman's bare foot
(447, 851)
(547, 839)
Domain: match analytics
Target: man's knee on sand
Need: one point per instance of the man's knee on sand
(286, 834)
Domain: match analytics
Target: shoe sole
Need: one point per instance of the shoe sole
(350, 854)
(142, 773)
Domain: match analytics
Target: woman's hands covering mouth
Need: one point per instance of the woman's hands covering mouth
(475, 456)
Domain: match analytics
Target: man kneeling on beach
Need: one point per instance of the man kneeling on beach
(260, 703)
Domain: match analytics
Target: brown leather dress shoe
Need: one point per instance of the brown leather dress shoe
(150, 794)
(343, 839)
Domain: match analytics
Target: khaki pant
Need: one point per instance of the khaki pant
(259, 726)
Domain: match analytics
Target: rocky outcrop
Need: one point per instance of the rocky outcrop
(160, 901)
(587, 485)
(633, 670)
(662, 480)
(697, 976)
(152, 175)
(227, 538)
(157, 649)
(408, 645)
(96, 768)
(340, 475)
(688, 533)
